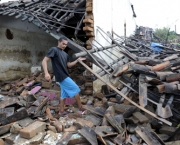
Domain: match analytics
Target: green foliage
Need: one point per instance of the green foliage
(162, 33)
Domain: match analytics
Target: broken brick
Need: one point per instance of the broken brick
(31, 130)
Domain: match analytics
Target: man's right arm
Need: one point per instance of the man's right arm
(44, 65)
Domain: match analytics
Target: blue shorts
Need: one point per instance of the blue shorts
(69, 88)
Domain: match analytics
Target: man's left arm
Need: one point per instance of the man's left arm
(71, 64)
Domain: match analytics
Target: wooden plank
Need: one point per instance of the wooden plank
(142, 91)
(124, 96)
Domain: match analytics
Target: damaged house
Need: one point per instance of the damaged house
(129, 82)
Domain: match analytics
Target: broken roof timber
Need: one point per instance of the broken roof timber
(52, 16)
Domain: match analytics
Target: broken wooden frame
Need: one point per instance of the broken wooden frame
(116, 90)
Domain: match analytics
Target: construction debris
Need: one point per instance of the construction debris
(142, 109)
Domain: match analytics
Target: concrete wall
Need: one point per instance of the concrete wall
(111, 15)
(27, 48)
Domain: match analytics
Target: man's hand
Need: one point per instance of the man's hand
(47, 77)
(81, 58)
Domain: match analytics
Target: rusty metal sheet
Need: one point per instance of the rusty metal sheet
(147, 136)
(142, 91)
(89, 134)
(65, 139)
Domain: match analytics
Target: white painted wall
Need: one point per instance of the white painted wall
(26, 49)
(111, 15)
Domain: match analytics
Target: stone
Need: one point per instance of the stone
(32, 129)
(15, 128)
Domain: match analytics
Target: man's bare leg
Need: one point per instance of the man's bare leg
(62, 102)
(78, 101)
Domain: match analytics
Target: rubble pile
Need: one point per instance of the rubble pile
(147, 100)
(142, 109)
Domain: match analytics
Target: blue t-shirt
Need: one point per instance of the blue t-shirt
(59, 60)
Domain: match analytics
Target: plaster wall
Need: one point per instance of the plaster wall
(27, 48)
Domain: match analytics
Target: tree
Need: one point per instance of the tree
(162, 34)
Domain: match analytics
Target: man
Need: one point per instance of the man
(60, 64)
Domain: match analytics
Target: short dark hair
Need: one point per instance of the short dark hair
(62, 38)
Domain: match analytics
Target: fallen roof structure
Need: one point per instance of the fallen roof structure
(54, 17)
